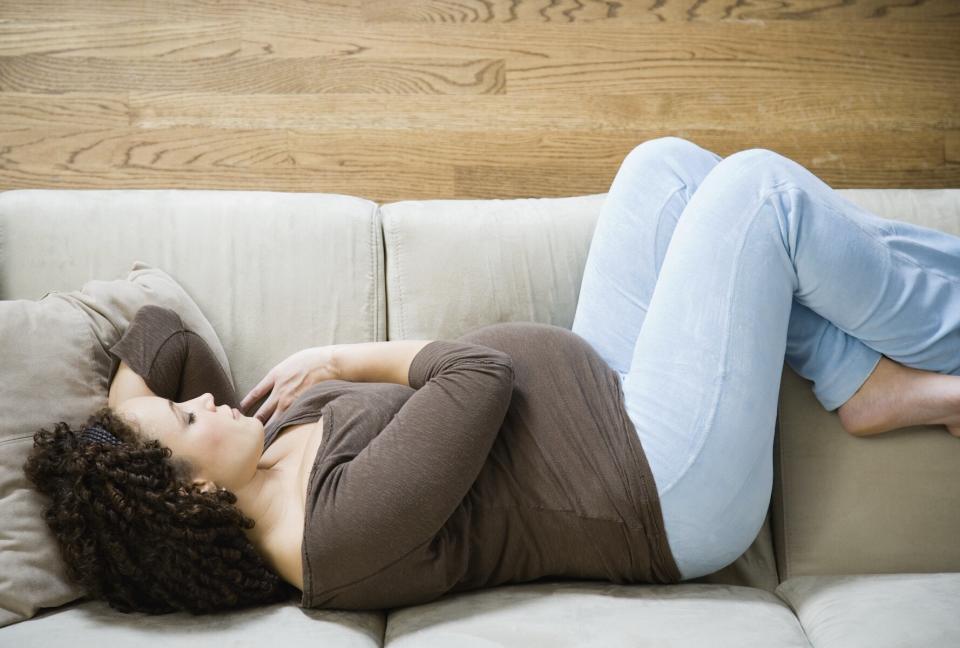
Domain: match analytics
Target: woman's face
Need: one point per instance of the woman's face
(224, 451)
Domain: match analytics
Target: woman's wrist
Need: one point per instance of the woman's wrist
(387, 362)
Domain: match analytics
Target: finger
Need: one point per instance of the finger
(276, 413)
(267, 409)
(277, 410)
(262, 387)
(255, 394)
(246, 407)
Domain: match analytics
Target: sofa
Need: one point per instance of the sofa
(860, 547)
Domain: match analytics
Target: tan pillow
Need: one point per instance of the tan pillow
(57, 367)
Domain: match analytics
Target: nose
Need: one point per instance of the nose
(207, 401)
(211, 404)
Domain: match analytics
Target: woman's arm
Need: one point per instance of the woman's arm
(387, 362)
(164, 359)
(397, 492)
(126, 384)
(378, 362)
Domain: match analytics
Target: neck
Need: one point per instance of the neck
(265, 499)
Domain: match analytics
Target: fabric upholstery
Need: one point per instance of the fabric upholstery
(599, 614)
(866, 611)
(324, 268)
(93, 624)
(274, 272)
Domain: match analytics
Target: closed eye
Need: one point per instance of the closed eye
(190, 416)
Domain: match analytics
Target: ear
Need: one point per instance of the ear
(204, 485)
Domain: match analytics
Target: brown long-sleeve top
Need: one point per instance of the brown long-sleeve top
(510, 458)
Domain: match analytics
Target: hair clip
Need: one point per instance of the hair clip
(96, 434)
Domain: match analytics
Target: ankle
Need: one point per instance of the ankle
(895, 396)
(874, 406)
(934, 398)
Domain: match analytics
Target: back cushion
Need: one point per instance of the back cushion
(274, 272)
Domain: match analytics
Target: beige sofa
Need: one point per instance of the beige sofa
(861, 546)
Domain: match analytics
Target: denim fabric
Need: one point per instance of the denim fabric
(698, 314)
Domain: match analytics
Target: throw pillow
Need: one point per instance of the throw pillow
(57, 367)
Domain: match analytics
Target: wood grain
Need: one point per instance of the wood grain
(396, 100)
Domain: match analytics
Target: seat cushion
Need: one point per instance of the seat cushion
(93, 624)
(599, 614)
(877, 610)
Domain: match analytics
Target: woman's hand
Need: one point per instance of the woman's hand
(286, 381)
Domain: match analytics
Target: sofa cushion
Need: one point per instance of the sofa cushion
(274, 272)
(503, 261)
(93, 624)
(517, 260)
(877, 504)
(565, 613)
(57, 367)
(877, 611)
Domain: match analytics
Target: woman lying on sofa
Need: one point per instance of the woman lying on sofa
(388, 474)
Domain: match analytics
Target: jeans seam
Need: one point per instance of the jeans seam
(726, 343)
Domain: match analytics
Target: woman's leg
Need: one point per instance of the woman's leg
(759, 232)
(634, 229)
(648, 193)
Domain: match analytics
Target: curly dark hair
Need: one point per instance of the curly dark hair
(134, 530)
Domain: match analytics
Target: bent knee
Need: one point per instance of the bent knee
(755, 159)
(669, 145)
(751, 172)
(675, 156)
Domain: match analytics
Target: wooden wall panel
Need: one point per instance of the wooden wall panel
(394, 100)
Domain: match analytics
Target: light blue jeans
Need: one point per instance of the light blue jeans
(704, 275)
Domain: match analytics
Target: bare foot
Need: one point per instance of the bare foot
(895, 396)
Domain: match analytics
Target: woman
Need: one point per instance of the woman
(635, 448)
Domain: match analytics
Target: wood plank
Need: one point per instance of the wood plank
(395, 165)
